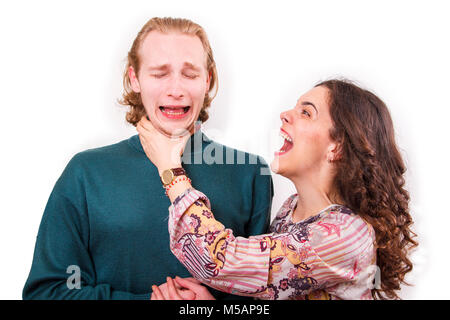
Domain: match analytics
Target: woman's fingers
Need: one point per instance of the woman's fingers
(146, 124)
(183, 280)
(156, 294)
(184, 140)
(201, 292)
(173, 293)
(186, 294)
(188, 283)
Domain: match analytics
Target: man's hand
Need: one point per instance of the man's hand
(164, 152)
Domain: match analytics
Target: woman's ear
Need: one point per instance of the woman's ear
(334, 152)
(133, 80)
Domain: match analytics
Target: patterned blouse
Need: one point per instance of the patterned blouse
(330, 255)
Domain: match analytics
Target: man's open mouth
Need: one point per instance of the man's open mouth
(174, 112)
(287, 145)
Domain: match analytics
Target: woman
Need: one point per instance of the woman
(348, 223)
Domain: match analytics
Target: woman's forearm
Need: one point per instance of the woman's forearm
(177, 189)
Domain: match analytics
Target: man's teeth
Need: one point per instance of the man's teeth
(285, 136)
(174, 112)
(178, 111)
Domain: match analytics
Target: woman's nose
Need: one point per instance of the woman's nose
(285, 117)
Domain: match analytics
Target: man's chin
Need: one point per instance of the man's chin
(175, 131)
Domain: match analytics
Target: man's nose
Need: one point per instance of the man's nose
(175, 89)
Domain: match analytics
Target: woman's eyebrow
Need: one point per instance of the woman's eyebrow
(307, 103)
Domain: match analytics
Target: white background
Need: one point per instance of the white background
(62, 64)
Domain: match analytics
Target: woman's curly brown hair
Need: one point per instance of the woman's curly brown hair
(369, 178)
(166, 25)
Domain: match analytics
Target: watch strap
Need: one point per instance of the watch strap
(178, 171)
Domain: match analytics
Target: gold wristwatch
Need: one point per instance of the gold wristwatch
(169, 175)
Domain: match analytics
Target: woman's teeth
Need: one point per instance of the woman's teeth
(287, 143)
(285, 136)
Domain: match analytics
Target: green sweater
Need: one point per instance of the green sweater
(108, 216)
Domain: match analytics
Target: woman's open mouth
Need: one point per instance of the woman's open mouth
(174, 112)
(287, 145)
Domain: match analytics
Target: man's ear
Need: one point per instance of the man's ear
(133, 80)
(208, 81)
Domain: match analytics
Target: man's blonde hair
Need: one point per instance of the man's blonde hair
(166, 25)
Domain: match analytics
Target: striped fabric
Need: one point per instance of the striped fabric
(330, 255)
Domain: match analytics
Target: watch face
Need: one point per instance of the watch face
(167, 176)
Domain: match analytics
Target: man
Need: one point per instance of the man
(104, 232)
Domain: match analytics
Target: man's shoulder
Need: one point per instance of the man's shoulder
(112, 148)
(101, 155)
(99, 165)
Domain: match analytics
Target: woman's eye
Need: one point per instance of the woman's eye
(305, 112)
(158, 75)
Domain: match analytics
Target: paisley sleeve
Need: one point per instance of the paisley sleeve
(212, 253)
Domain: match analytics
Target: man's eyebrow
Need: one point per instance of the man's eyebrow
(166, 67)
(191, 66)
(160, 67)
(307, 103)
